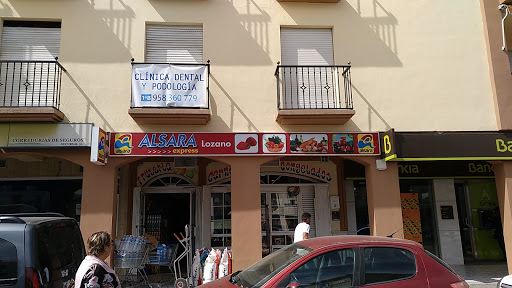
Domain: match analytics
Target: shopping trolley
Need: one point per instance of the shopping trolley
(131, 267)
(186, 242)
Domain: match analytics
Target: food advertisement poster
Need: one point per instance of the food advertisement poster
(411, 216)
(196, 144)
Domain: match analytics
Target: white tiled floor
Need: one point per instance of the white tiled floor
(482, 275)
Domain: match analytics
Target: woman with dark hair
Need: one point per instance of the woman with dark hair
(94, 272)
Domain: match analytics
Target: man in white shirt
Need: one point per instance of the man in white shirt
(302, 230)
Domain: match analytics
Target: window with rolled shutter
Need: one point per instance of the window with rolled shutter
(31, 82)
(174, 44)
(306, 87)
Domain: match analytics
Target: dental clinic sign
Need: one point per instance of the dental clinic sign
(167, 85)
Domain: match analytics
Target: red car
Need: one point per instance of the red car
(346, 261)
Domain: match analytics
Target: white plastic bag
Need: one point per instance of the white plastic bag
(224, 265)
(211, 266)
(196, 270)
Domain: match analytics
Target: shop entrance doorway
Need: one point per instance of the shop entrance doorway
(479, 220)
(166, 213)
(161, 209)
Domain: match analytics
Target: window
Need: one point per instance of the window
(309, 80)
(385, 264)
(280, 214)
(331, 269)
(262, 271)
(174, 44)
(59, 246)
(221, 219)
(61, 196)
(26, 79)
(182, 47)
(30, 41)
(8, 263)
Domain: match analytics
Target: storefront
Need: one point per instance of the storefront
(449, 195)
(36, 174)
(195, 179)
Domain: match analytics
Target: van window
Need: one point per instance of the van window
(60, 247)
(8, 263)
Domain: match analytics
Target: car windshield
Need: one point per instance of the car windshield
(263, 270)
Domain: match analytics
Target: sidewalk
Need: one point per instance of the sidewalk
(482, 275)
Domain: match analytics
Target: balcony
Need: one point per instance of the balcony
(30, 91)
(313, 95)
(170, 94)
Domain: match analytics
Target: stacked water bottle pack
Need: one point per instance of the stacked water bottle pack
(130, 251)
(162, 256)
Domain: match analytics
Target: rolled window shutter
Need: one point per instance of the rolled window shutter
(306, 46)
(30, 43)
(308, 205)
(174, 44)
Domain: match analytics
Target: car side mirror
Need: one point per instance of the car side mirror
(293, 285)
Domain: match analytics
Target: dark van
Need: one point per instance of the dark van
(39, 250)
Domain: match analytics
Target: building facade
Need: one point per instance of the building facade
(235, 117)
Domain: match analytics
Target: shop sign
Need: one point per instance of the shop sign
(446, 169)
(4, 135)
(442, 146)
(217, 173)
(388, 145)
(62, 135)
(432, 169)
(99, 146)
(307, 169)
(320, 171)
(203, 144)
(150, 170)
(164, 85)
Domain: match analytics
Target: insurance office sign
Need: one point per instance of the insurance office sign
(167, 85)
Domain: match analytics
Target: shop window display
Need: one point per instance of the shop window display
(279, 217)
(221, 220)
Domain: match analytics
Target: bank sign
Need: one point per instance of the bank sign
(403, 146)
(195, 144)
(165, 85)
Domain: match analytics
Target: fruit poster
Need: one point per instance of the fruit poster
(244, 144)
(411, 216)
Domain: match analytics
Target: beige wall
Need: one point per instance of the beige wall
(404, 72)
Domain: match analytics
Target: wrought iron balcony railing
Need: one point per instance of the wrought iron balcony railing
(313, 87)
(30, 83)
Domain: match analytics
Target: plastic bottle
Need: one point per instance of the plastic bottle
(122, 246)
(139, 244)
(129, 244)
(159, 252)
